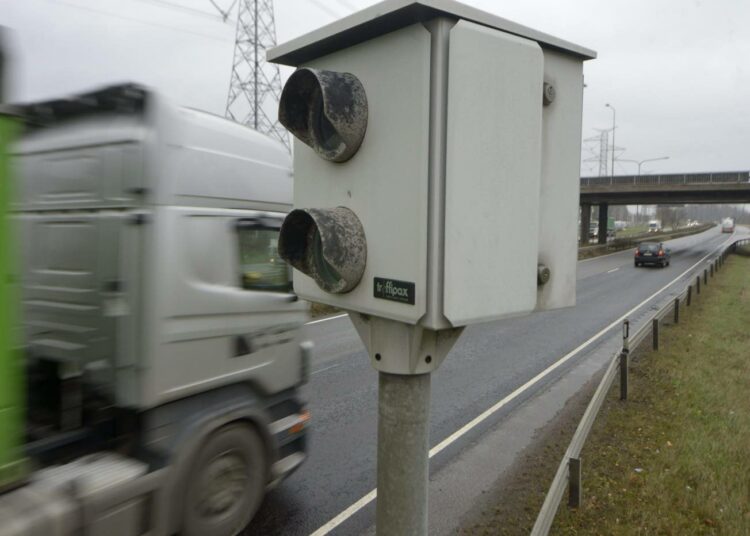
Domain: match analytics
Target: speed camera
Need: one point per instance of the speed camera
(436, 161)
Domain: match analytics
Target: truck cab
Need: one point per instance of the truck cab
(164, 346)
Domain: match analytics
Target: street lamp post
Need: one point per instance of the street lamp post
(614, 125)
(640, 163)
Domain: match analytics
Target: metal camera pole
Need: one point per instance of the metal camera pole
(403, 460)
(405, 357)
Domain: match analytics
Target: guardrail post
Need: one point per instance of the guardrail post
(655, 332)
(624, 360)
(689, 295)
(677, 310)
(711, 270)
(705, 276)
(574, 482)
(698, 285)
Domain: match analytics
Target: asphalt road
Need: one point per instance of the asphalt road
(488, 362)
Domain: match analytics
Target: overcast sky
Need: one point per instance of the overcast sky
(677, 71)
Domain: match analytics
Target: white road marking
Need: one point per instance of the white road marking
(604, 256)
(369, 497)
(325, 319)
(613, 270)
(324, 369)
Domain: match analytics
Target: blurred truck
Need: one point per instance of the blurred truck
(162, 343)
(727, 225)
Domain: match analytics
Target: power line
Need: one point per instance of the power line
(325, 8)
(186, 9)
(134, 19)
(225, 12)
(348, 5)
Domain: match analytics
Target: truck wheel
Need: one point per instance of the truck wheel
(225, 484)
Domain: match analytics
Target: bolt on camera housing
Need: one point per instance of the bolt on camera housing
(326, 110)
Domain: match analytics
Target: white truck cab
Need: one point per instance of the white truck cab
(164, 343)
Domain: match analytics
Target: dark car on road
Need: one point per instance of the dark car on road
(652, 253)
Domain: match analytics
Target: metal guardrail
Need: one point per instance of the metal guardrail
(733, 177)
(569, 475)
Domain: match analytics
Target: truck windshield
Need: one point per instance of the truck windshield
(261, 268)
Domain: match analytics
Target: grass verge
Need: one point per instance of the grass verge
(633, 230)
(685, 428)
(675, 458)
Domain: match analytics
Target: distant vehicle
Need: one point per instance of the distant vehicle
(594, 229)
(652, 253)
(654, 226)
(727, 225)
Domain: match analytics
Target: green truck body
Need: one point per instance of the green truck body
(11, 381)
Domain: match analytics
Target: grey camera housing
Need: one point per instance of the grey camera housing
(467, 177)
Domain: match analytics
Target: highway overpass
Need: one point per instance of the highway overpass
(676, 188)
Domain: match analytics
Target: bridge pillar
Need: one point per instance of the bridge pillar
(585, 223)
(603, 209)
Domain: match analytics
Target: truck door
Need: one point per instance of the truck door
(77, 292)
